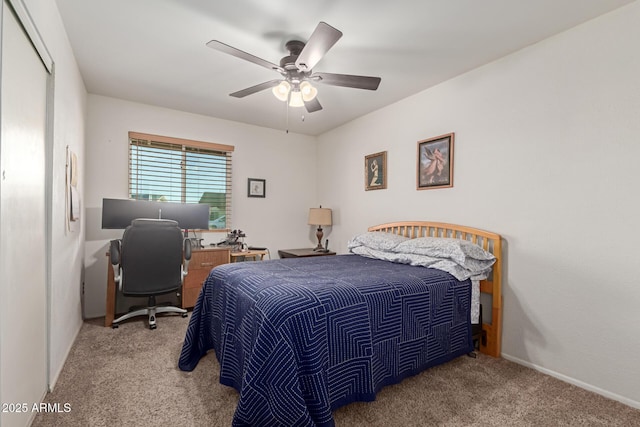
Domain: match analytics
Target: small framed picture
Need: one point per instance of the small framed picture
(375, 171)
(256, 187)
(435, 162)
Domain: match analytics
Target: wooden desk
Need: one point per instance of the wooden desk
(201, 263)
(242, 256)
(299, 253)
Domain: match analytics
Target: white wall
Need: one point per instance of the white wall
(67, 246)
(546, 154)
(286, 161)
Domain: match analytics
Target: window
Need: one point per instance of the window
(177, 170)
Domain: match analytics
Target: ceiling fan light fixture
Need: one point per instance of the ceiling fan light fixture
(295, 99)
(308, 91)
(295, 87)
(282, 90)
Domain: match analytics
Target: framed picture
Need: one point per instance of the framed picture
(256, 187)
(375, 171)
(435, 162)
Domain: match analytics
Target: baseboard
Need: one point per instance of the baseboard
(54, 378)
(573, 381)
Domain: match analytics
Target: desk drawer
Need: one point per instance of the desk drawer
(190, 296)
(196, 277)
(206, 260)
(201, 263)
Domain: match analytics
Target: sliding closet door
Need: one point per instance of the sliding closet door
(23, 342)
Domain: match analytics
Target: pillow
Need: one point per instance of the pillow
(377, 240)
(397, 258)
(462, 252)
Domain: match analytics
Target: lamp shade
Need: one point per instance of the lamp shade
(295, 99)
(319, 216)
(282, 90)
(308, 92)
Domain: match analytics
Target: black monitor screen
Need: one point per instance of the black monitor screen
(118, 213)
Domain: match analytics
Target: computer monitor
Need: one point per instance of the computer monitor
(118, 213)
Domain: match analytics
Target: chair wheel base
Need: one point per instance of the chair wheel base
(114, 326)
(152, 327)
(185, 314)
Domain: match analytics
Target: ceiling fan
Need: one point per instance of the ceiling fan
(296, 70)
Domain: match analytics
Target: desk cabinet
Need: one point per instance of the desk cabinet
(202, 261)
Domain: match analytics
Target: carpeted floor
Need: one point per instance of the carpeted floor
(129, 377)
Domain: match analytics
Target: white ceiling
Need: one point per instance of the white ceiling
(153, 51)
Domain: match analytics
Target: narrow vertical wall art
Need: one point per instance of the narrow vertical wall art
(72, 194)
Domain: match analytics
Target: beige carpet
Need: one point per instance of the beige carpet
(129, 377)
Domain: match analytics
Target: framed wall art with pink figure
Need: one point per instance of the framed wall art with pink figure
(435, 162)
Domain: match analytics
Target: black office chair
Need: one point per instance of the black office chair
(148, 261)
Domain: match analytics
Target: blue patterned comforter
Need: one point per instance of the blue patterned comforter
(300, 337)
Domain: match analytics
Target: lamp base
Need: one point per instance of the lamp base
(319, 235)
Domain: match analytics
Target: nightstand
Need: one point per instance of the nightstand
(301, 253)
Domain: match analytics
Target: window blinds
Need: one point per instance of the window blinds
(182, 171)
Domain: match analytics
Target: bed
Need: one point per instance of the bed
(298, 338)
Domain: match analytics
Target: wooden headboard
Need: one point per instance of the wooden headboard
(489, 242)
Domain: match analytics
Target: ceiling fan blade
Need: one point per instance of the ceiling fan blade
(313, 105)
(347, 80)
(257, 88)
(222, 47)
(322, 39)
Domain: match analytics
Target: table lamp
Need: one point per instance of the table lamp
(319, 216)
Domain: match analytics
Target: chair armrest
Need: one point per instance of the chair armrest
(187, 257)
(187, 249)
(114, 251)
(114, 257)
